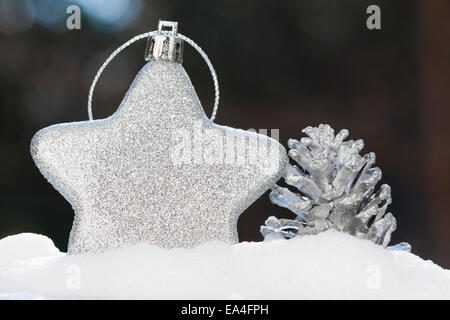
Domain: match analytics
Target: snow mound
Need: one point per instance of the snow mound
(26, 245)
(330, 265)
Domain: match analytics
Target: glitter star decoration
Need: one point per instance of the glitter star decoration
(158, 170)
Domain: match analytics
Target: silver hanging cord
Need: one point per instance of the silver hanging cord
(211, 69)
(146, 35)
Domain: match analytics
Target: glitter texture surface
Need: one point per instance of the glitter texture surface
(126, 183)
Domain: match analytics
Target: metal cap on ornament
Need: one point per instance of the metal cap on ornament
(165, 45)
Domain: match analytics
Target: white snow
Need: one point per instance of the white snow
(329, 265)
(26, 245)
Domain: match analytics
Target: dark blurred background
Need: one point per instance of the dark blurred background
(281, 64)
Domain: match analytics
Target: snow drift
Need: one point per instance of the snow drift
(330, 265)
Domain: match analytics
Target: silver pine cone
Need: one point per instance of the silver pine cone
(336, 190)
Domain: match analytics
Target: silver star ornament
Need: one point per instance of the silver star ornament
(158, 170)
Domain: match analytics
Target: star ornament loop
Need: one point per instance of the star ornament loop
(158, 170)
